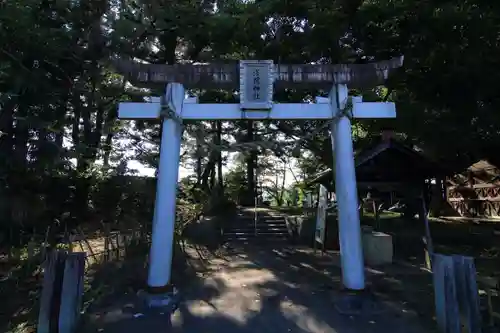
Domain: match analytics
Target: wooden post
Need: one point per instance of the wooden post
(105, 254)
(47, 291)
(117, 240)
(45, 245)
(445, 294)
(429, 246)
(107, 246)
(361, 208)
(72, 292)
(112, 250)
(467, 292)
(31, 252)
(48, 316)
(427, 256)
(123, 245)
(137, 236)
(111, 247)
(85, 240)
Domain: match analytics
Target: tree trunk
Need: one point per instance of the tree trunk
(6, 133)
(87, 145)
(205, 176)
(199, 168)
(108, 126)
(21, 138)
(212, 177)
(107, 149)
(61, 125)
(83, 164)
(282, 186)
(219, 157)
(6, 149)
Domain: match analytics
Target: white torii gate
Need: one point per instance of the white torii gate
(256, 93)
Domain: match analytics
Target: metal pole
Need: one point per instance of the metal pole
(428, 238)
(256, 178)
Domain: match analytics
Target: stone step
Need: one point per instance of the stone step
(259, 232)
(251, 224)
(252, 229)
(258, 226)
(271, 217)
(274, 233)
(255, 238)
(258, 241)
(259, 223)
(265, 217)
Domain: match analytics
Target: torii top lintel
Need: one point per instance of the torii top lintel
(227, 75)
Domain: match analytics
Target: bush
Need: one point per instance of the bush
(220, 205)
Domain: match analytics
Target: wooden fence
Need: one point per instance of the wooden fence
(20, 262)
(64, 270)
(112, 246)
(476, 200)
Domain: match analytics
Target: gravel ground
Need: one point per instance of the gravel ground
(257, 289)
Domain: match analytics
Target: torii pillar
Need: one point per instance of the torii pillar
(351, 249)
(160, 256)
(344, 108)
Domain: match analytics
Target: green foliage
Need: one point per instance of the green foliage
(61, 140)
(236, 183)
(64, 154)
(445, 94)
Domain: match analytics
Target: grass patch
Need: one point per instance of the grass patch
(383, 215)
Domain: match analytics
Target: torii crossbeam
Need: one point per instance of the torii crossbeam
(256, 82)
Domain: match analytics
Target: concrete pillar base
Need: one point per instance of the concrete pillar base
(359, 302)
(167, 302)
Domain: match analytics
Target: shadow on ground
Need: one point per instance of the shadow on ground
(254, 289)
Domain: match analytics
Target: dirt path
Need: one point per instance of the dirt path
(257, 290)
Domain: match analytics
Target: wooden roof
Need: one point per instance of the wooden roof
(389, 162)
(393, 161)
(227, 75)
(483, 165)
(480, 172)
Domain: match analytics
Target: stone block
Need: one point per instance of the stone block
(377, 248)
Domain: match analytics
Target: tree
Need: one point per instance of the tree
(445, 95)
(59, 90)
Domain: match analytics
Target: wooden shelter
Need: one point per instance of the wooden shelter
(389, 164)
(391, 171)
